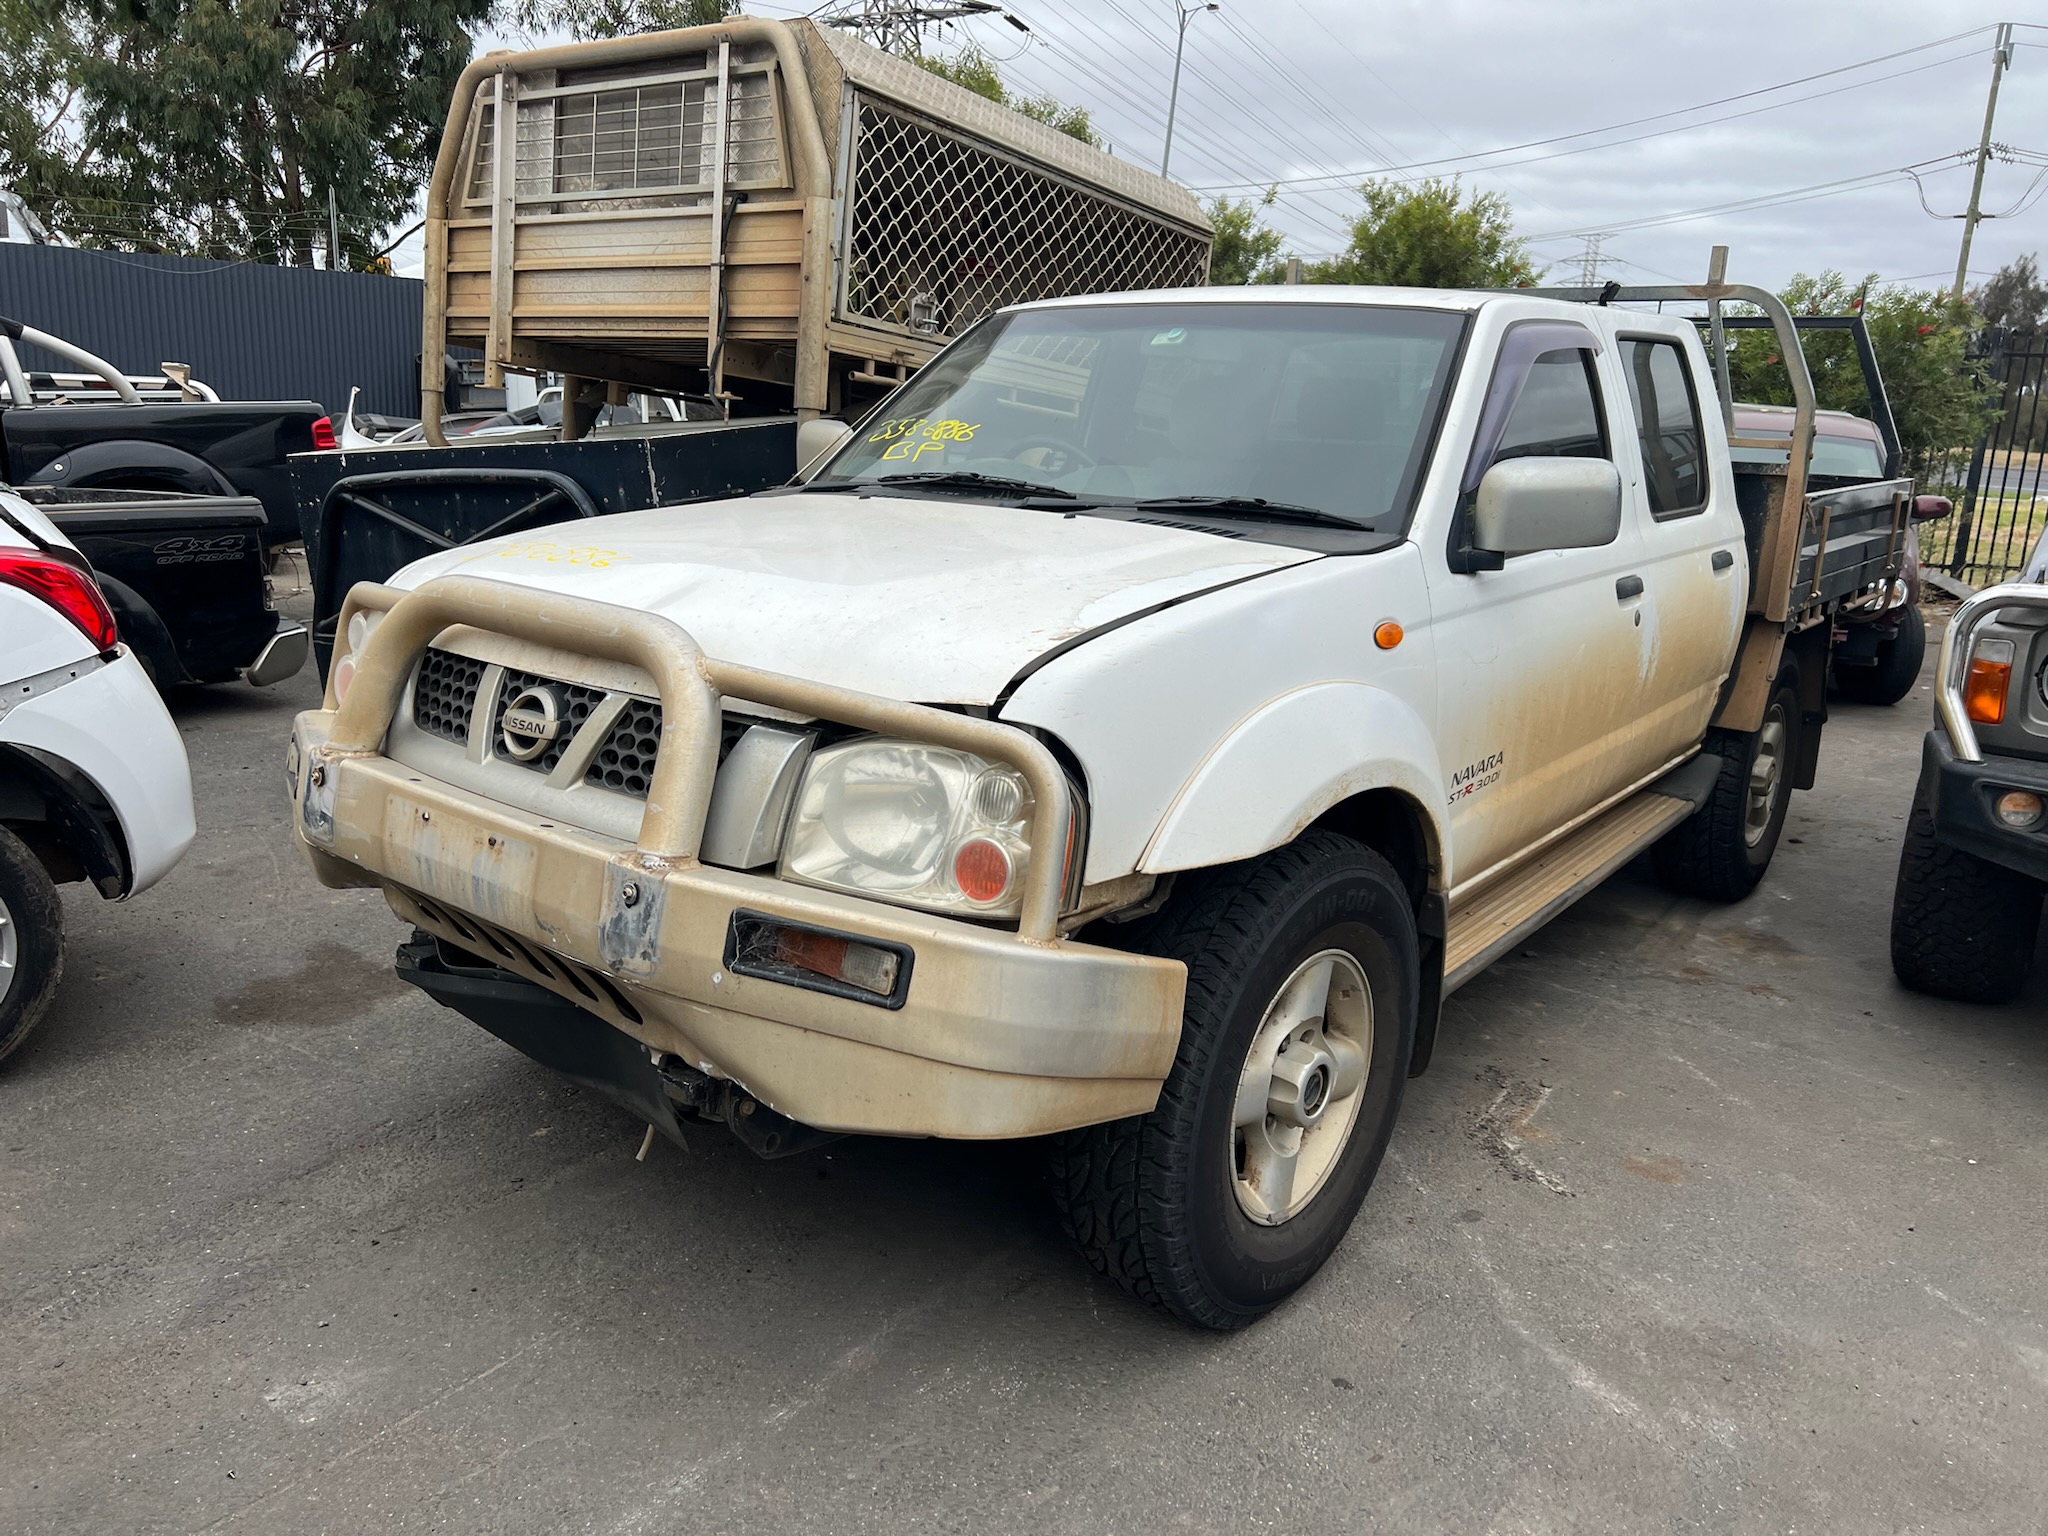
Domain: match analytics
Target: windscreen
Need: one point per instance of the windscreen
(1329, 407)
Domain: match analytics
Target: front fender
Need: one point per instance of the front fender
(1286, 765)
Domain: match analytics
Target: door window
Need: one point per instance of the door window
(1557, 415)
(1668, 428)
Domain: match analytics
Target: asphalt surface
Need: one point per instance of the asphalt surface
(1698, 1223)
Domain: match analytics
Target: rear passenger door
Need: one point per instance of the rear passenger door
(1694, 563)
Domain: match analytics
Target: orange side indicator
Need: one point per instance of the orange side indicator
(1388, 635)
(1987, 682)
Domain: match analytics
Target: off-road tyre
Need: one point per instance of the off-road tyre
(1150, 1201)
(1711, 853)
(1962, 927)
(1898, 666)
(32, 935)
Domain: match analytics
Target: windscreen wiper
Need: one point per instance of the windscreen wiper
(1256, 507)
(969, 480)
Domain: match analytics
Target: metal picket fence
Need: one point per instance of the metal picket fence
(2000, 487)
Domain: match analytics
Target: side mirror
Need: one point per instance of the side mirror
(1524, 505)
(1927, 508)
(816, 441)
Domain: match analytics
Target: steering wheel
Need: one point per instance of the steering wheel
(1073, 454)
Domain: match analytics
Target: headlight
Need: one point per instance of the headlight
(921, 826)
(361, 625)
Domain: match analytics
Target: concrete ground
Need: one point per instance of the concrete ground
(1698, 1223)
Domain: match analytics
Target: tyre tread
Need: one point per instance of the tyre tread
(1110, 1182)
(41, 924)
(1963, 928)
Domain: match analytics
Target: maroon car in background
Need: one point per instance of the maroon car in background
(1877, 653)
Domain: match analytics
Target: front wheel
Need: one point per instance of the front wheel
(1722, 850)
(1962, 927)
(1303, 978)
(31, 941)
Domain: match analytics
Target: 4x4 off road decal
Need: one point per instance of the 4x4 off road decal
(1473, 777)
(195, 551)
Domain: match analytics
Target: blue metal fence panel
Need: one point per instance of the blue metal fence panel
(252, 332)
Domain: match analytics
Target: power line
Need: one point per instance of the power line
(1764, 200)
(1705, 106)
(1193, 135)
(1322, 213)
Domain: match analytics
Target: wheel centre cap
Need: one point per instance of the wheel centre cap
(1302, 1074)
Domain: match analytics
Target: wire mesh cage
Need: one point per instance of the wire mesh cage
(941, 230)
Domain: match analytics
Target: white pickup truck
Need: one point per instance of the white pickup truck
(1128, 736)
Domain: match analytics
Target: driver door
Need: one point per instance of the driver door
(1539, 660)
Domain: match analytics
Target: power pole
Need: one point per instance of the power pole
(898, 26)
(333, 234)
(2001, 61)
(1185, 14)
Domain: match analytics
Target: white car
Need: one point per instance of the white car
(93, 779)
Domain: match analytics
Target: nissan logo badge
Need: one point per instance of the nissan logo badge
(531, 723)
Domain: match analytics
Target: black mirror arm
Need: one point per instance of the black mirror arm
(1464, 557)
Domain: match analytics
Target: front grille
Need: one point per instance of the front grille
(577, 703)
(444, 694)
(445, 704)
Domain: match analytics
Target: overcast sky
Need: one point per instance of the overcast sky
(1314, 94)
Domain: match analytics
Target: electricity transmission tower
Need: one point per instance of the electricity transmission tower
(1591, 261)
(898, 26)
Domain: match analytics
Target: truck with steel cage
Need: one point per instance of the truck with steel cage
(1127, 737)
(769, 215)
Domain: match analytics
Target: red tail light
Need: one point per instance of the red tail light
(323, 434)
(66, 588)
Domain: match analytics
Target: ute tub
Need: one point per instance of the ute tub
(998, 1034)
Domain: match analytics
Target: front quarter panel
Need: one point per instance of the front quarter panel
(1289, 764)
(1215, 729)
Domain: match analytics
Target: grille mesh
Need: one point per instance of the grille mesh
(578, 702)
(444, 694)
(626, 760)
(444, 703)
(1008, 234)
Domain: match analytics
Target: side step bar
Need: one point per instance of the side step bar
(1504, 914)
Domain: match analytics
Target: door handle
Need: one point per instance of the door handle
(1628, 587)
(1723, 560)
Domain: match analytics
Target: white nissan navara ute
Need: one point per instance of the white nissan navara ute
(1126, 737)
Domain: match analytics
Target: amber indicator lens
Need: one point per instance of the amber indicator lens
(2019, 809)
(1985, 685)
(1388, 635)
(837, 959)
